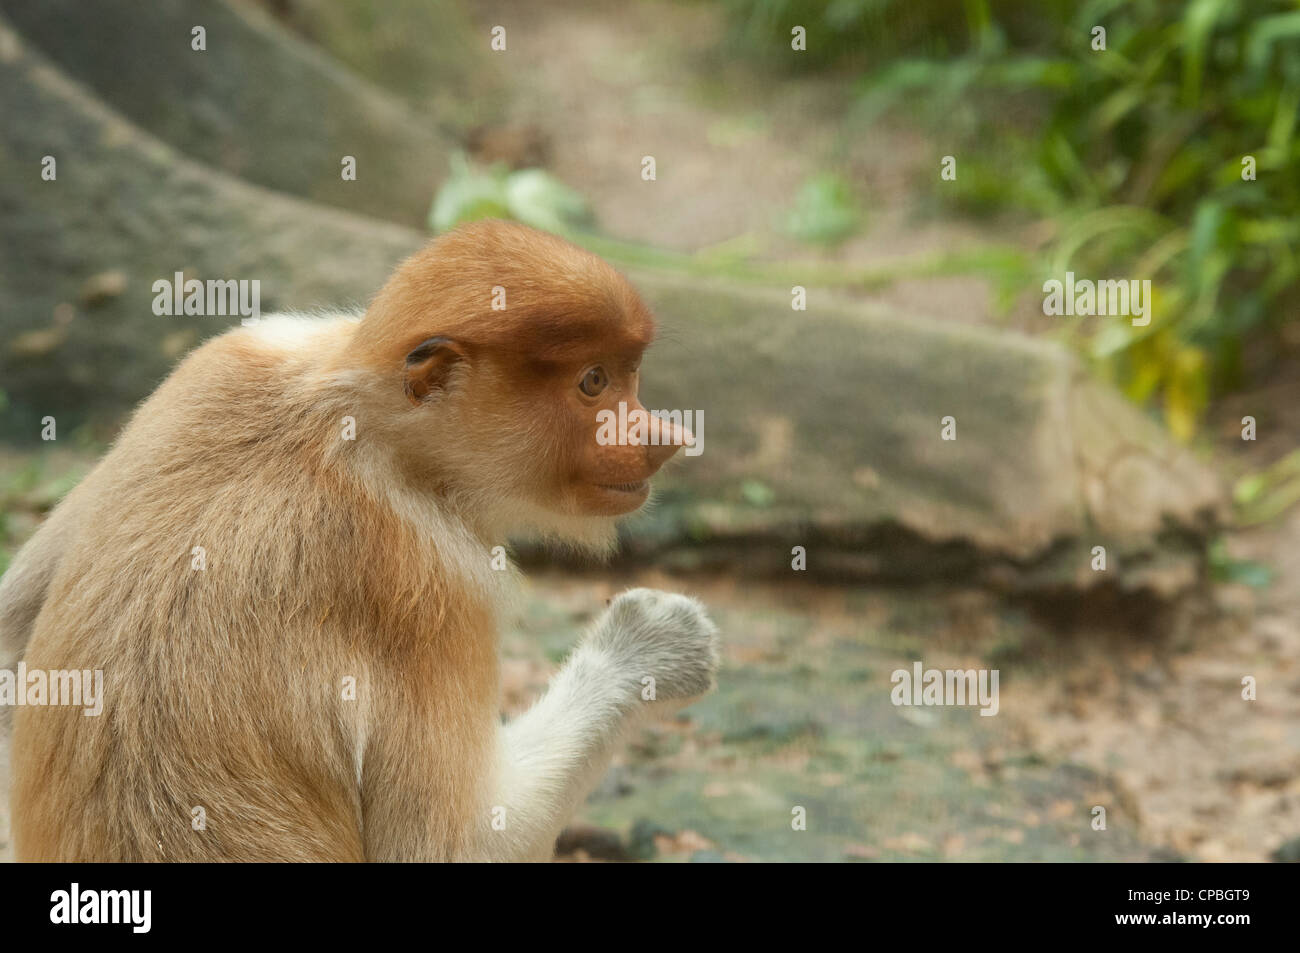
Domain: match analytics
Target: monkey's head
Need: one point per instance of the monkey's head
(508, 362)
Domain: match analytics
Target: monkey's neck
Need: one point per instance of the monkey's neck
(449, 540)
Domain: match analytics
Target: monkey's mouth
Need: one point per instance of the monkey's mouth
(639, 487)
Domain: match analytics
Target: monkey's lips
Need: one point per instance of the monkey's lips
(613, 499)
(632, 489)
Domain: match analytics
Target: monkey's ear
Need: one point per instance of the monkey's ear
(429, 366)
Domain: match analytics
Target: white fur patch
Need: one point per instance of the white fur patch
(293, 332)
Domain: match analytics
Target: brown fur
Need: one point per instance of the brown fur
(326, 558)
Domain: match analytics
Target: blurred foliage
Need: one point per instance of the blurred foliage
(1267, 494)
(826, 210)
(531, 196)
(857, 33)
(757, 493)
(1135, 152)
(1225, 568)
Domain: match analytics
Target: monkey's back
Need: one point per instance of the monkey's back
(227, 579)
(188, 580)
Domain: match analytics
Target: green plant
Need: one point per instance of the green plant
(1141, 153)
(1266, 494)
(532, 196)
(825, 212)
(536, 198)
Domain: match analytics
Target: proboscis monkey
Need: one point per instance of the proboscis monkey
(283, 569)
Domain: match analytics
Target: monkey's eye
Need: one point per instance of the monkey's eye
(593, 382)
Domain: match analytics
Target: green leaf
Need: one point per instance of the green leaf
(537, 198)
(825, 211)
(468, 195)
(757, 494)
(1224, 568)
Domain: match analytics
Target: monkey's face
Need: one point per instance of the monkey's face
(569, 437)
(574, 439)
(620, 445)
(521, 357)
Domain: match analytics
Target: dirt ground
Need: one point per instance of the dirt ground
(1152, 729)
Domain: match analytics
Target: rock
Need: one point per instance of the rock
(430, 53)
(101, 287)
(225, 105)
(838, 413)
(641, 841)
(598, 843)
(128, 206)
(38, 343)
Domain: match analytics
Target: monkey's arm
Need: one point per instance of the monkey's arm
(554, 754)
(650, 652)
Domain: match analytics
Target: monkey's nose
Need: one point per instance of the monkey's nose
(672, 437)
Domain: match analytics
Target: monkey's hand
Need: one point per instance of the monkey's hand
(662, 645)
